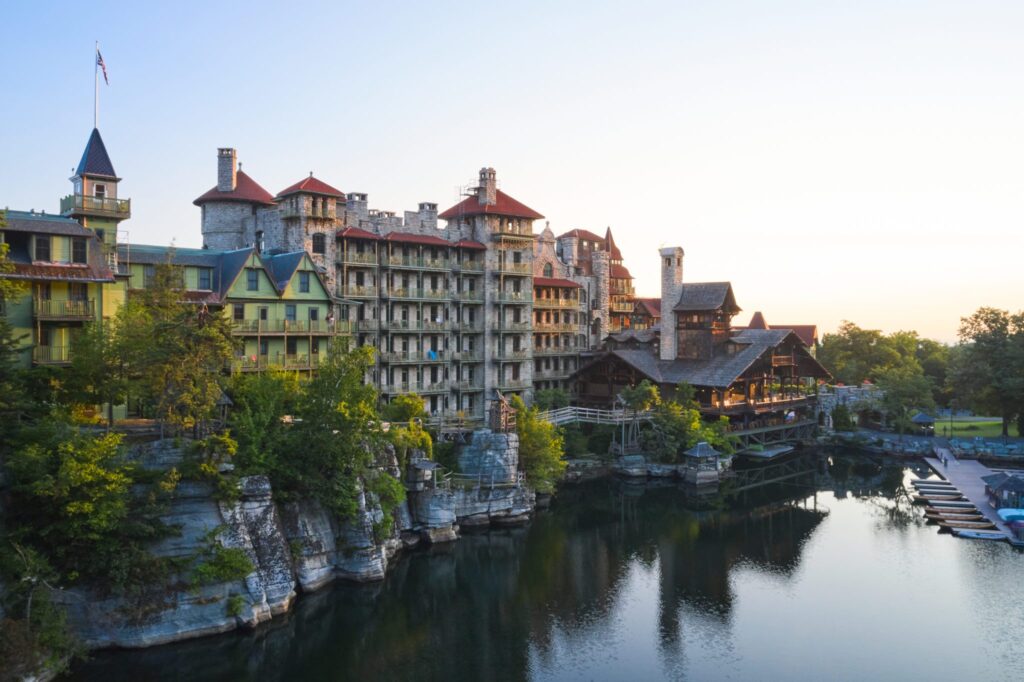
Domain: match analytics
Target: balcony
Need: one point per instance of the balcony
(416, 326)
(369, 259)
(514, 384)
(469, 327)
(470, 296)
(468, 385)
(469, 266)
(506, 327)
(512, 355)
(783, 360)
(551, 373)
(412, 356)
(514, 268)
(96, 206)
(51, 355)
(259, 363)
(356, 291)
(413, 387)
(555, 350)
(621, 307)
(80, 310)
(468, 356)
(555, 327)
(568, 303)
(304, 327)
(424, 294)
(520, 297)
(418, 263)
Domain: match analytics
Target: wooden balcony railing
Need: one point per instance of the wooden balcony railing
(306, 327)
(114, 208)
(51, 355)
(65, 310)
(570, 303)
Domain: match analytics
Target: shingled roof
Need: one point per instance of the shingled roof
(246, 191)
(25, 268)
(504, 205)
(43, 223)
(312, 185)
(808, 333)
(95, 160)
(701, 296)
(652, 306)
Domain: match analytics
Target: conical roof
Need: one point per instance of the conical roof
(95, 160)
(758, 321)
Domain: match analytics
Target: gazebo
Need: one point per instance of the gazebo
(701, 465)
(923, 421)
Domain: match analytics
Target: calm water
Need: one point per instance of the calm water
(829, 576)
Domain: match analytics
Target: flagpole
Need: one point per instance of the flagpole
(96, 93)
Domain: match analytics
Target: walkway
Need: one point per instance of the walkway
(966, 475)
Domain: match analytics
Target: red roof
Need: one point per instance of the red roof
(610, 247)
(619, 271)
(757, 321)
(247, 190)
(409, 238)
(356, 233)
(470, 244)
(555, 282)
(582, 234)
(505, 205)
(311, 185)
(651, 305)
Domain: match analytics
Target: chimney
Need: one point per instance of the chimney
(227, 166)
(671, 289)
(487, 194)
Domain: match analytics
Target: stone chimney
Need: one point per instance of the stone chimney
(487, 193)
(671, 289)
(227, 168)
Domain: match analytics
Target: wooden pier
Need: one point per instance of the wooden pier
(966, 475)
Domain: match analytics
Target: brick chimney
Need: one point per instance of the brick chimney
(227, 168)
(671, 290)
(487, 194)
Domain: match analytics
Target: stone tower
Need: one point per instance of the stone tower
(309, 212)
(94, 201)
(671, 290)
(237, 211)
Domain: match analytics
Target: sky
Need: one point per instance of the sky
(833, 160)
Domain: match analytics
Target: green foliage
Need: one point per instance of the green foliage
(210, 460)
(261, 402)
(641, 397)
(235, 605)
(219, 564)
(405, 408)
(97, 373)
(906, 388)
(842, 420)
(676, 428)
(446, 456)
(10, 289)
(551, 399)
(575, 442)
(388, 492)
(410, 437)
(987, 368)
(72, 500)
(540, 448)
(600, 439)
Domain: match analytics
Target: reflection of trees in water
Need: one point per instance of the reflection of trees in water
(474, 609)
(880, 483)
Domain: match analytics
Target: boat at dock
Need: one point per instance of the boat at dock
(973, 525)
(950, 506)
(954, 517)
(929, 481)
(923, 499)
(934, 487)
(978, 534)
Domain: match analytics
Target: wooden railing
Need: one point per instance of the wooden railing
(51, 355)
(65, 310)
(118, 208)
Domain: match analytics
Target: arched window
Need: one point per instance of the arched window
(548, 270)
(319, 243)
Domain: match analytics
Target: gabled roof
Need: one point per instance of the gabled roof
(410, 238)
(282, 266)
(95, 269)
(311, 185)
(808, 333)
(1001, 481)
(504, 205)
(95, 160)
(555, 282)
(702, 296)
(357, 233)
(582, 234)
(225, 264)
(652, 306)
(246, 191)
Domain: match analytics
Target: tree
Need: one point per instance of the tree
(405, 408)
(540, 447)
(641, 397)
(97, 373)
(987, 368)
(261, 402)
(905, 389)
(853, 354)
(551, 398)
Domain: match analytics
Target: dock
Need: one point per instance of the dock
(966, 475)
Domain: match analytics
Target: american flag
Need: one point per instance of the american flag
(99, 63)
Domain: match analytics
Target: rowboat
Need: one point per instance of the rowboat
(946, 512)
(978, 534)
(974, 525)
(921, 499)
(927, 488)
(958, 504)
(926, 481)
(954, 517)
(931, 484)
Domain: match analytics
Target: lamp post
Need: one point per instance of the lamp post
(952, 408)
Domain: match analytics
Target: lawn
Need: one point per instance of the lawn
(963, 429)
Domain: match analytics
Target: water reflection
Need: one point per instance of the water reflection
(645, 581)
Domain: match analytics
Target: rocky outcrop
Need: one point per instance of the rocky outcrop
(493, 457)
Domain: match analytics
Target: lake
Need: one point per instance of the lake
(831, 574)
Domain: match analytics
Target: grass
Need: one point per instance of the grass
(964, 429)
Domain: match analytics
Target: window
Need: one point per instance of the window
(291, 346)
(252, 279)
(148, 275)
(264, 347)
(99, 191)
(319, 243)
(289, 312)
(304, 282)
(78, 250)
(264, 311)
(314, 314)
(314, 346)
(42, 248)
(77, 291)
(238, 312)
(206, 279)
(548, 270)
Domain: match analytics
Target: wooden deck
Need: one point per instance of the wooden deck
(965, 475)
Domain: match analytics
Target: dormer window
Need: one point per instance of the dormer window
(99, 191)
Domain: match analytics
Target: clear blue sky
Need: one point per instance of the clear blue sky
(834, 160)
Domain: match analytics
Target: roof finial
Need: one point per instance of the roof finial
(310, 173)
